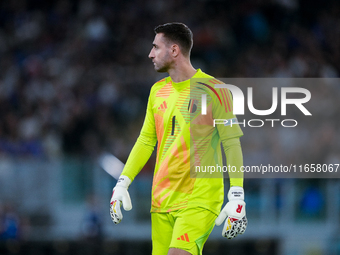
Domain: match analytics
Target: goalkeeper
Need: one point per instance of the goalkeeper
(185, 207)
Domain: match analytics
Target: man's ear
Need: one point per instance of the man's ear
(175, 50)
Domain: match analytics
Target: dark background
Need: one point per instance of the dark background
(74, 82)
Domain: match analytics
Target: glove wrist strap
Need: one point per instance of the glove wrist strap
(123, 181)
(236, 193)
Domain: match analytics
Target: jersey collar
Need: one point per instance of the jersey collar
(183, 84)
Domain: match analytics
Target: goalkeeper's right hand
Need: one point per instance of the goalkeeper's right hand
(120, 195)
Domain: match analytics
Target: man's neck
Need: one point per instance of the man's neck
(182, 72)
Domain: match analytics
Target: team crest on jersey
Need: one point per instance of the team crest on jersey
(192, 106)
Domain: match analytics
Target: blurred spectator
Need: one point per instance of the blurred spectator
(9, 223)
(312, 203)
(92, 228)
(92, 223)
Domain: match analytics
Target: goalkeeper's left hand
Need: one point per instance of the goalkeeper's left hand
(235, 212)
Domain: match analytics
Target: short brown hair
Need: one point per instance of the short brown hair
(177, 33)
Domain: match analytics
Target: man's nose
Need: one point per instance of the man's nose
(151, 55)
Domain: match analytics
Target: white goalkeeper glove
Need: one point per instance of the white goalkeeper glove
(120, 196)
(235, 212)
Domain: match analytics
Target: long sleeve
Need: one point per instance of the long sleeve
(138, 157)
(229, 135)
(144, 145)
(233, 151)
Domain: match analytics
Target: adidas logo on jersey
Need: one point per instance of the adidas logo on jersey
(163, 106)
(184, 237)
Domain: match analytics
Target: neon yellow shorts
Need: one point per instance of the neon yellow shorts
(187, 229)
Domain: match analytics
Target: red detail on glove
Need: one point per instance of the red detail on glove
(239, 208)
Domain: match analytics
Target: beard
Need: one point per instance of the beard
(164, 65)
(162, 69)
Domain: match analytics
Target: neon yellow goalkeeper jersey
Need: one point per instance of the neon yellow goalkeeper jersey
(188, 142)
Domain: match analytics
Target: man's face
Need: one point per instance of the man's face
(160, 53)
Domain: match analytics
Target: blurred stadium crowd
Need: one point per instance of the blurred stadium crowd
(75, 74)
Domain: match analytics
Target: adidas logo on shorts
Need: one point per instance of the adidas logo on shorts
(184, 237)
